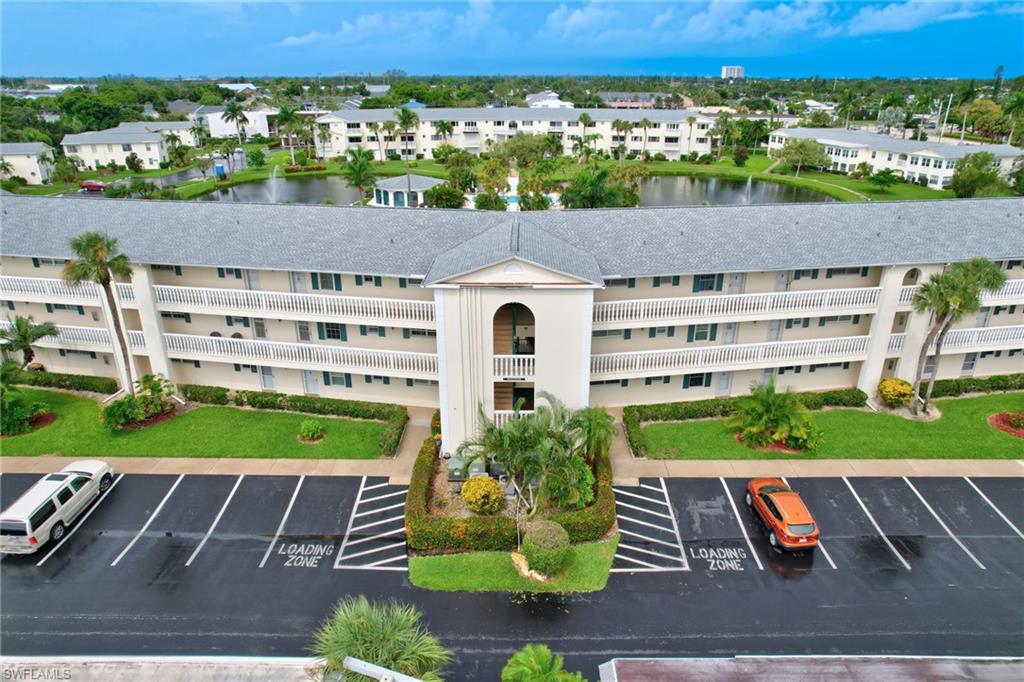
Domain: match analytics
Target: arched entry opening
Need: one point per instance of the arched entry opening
(912, 277)
(514, 334)
(514, 330)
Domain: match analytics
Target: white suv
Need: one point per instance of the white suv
(51, 505)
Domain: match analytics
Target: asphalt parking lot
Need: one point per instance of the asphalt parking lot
(249, 565)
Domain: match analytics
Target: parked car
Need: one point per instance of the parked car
(92, 185)
(46, 509)
(789, 523)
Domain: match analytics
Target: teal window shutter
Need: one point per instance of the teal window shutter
(348, 380)
(368, 378)
(714, 332)
(821, 322)
(245, 322)
(344, 332)
(320, 334)
(653, 332)
(314, 280)
(49, 308)
(686, 381)
(238, 273)
(402, 282)
(846, 365)
(624, 383)
(807, 322)
(696, 284)
(648, 380)
(238, 367)
(406, 333)
(188, 318)
(814, 273)
(657, 282)
(798, 368)
(35, 262)
(327, 378)
(864, 271)
(828, 274)
(707, 379)
(359, 280)
(229, 321)
(675, 280)
(10, 305)
(177, 270)
(408, 382)
(92, 354)
(81, 310)
(689, 334)
(789, 324)
(387, 381)
(630, 283)
(627, 334)
(719, 281)
(62, 352)
(362, 330)
(377, 281)
(796, 275)
(220, 272)
(337, 282)
(380, 331)
(856, 319)
(671, 331)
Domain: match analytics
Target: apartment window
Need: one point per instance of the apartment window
(555, 124)
(126, 147)
(176, 269)
(701, 332)
(672, 126)
(671, 140)
(72, 148)
(499, 124)
(333, 331)
(603, 333)
(830, 365)
(969, 360)
(611, 382)
(86, 353)
(352, 126)
(1015, 352)
(888, 157)
(835, 272)
(338, 379)
(573, 124)
(186, 317)
(1011, 264)
(702, 126)
(371, 330)
(331, 281)
(420, 382)
(658, 281)
(368, 280)
(1000, 309)
(628, 283)
(914, 160)
(374, 379)
(355, 139)
(469, 124)
(712, 282)
(926, 162)
(527, 123)
(661, 331)
(660, 380)
(148, 149)
(929, 367)
(800, 274)
(637, 138)
(248, 368)
(991, 354)
(702, 140)
(700, 379)
(804, 322)
(232, 321)
(654, 138)
(64, 307)
(795, 369)
(194, 363)
(36, 262)
(855, 319)
(225, 272)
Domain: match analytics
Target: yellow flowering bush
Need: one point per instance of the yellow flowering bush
(483, 494)
(894, 392)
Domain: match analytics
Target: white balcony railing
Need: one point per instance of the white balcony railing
(1011, 292)
(731, 357)
(736, 306)
(46, 290)
(513, 367)
(303, 355)
(299, 306)
(502, 417)
(73, 338)
(982, 338)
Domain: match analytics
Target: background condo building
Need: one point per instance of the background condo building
(732, 72)
(465, 310)
(146, 139)
(30, 160)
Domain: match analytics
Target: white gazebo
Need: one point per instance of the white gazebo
(403, 190)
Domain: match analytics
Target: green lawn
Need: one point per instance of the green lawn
(203, 432)
(962, 432)
(900, 191)
(494, 572)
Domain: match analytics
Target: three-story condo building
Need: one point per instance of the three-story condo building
(468, 310)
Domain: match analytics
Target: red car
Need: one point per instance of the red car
(790, 525)
(92, 185)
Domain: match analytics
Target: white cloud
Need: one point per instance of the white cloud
(898, 17)
(663, 18)
(728, 22)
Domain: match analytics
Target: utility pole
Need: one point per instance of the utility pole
(945, 118)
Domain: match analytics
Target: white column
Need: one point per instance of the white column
(152, 324)
(108, 320)
(463, 384)
(881, 329)
(916, 331)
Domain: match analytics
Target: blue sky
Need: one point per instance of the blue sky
(769, 37)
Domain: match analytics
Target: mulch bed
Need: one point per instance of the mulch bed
(1001, 421)
(152, 421)
(774, 447)
(312, 441)
(38, 422)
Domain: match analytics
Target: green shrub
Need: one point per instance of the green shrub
(435, 423)
(311, 429)
(1016, 420)
(546, 547)
(17, 412)
(212, 395)
(945, 388)
(594, 521)
(895, 392)
(483, 495)
(123, 412)
(73, 382)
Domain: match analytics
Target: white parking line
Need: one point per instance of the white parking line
(387, 561)
(375, 485)
(739, 522)
(148, 521)
(642, 497)
(646, 551)
(377, 523)
(642, 523)
(646, 511)
(375, 537)
(637, 561)
(649, 539)
(821, 545)
(381, 497)
(216, 520)
(376, 549)
(995, 508)
(375, 511)
(650, 487)
(675, 527)
(875, 524)
(944, 526)
(284, 518)
(79, 522)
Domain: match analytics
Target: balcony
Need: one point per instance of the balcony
(734, 307)
(502, 417)
(513, 367)
(40, 290)
(80, 338)
(1012, 292)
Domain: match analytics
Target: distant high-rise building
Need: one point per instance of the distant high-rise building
(732, 72)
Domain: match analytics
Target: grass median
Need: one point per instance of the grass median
(209, 431)
(494, 572)
(962, 432)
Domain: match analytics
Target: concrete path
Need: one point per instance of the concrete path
(132, 668)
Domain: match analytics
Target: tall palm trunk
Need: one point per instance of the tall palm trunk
(238, 132)
(938, 354)
(108, 291)
(922, 359)
(27, 354)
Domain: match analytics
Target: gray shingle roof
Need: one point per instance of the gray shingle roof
(23, 148)
(621, 242)
(519, 114)
(154, 126)
(894, 144)
(112, 136)
(419, 183)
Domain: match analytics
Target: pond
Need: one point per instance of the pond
(684, 190)
(302, 190)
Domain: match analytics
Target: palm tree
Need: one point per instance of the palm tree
(847, 101)
(323, 135)
(287, 121)
(375, 128)
(967, 93)
(444, 129)
(9, 371)
(407, 120)
(358, 171)
(390, 635)
(622, 128)
(690, 120)
(722, 126)
(644, 123)
(586, 121)
(98, 260)
(172, 140)
(536, 663)
(598, 430)
(1013, 107)
(6, 167)
(200, 134)
(767, 416)
(390, 128)
(233, 112)
(592, 189)
(949, 296)
(22, 334)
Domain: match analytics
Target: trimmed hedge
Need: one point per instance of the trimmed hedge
(393, 416)
(633, 415)
(435, 423)
(212, 395)
(945, 388)
(74, 382)
(426, 531)
(546, 547)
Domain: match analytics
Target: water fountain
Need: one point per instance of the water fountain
(746, 190)
(272, 186)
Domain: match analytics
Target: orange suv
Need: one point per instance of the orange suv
(790, 525)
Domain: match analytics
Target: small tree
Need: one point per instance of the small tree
(358, 170)
(490, 201)
(800, 152)
(977, 174)
(536, 663)
(884, 179)
(133, 162)
(767, 416)
(256, 158)
(740, 154)
(445, 196)
(22, 334)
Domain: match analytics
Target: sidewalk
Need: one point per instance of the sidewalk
(131, 668)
